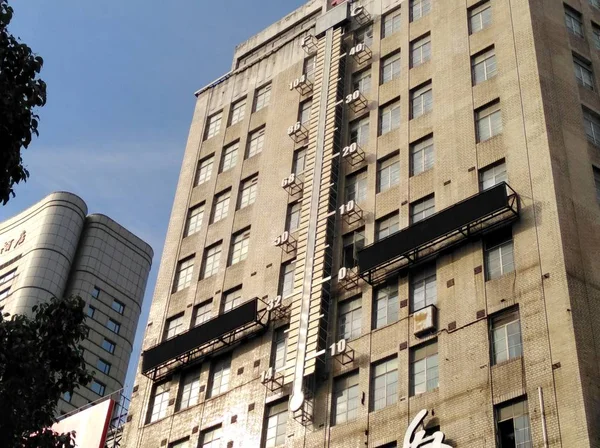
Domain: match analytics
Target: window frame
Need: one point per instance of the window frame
(591, 124)
(262, 97)
(220, 208)
(389, 117)
(428, 157)
(422, 45)
(428, 208)
(286, 278)
(204, 170)
(213, 125)
(391, 67)
(386, 370)
(424, 9)
(184, 272)
(224, 364)
(389, 313)
(584, 72)
(572, 18)
(486, 59)
(394, 20)
(348, 386)
(355, 186)
(502, 243)
(498, 173)
(349, 318)
(212, 252)
(161, 411)
(361, 81)
(273, 414)
(240, 242)
(189, 390)
(238, 111)
(428, 352)
(256, 142)
(479, 11)
(486, 115)
(202, 310)
(229, 156)
(421, 100)
(248, 191)
(194, 218)
(387, 225)
(500, 323)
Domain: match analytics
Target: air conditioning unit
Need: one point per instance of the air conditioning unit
(360, 14)
(353, 154)
(309, 44)
(285, 241)
(425, 320)
(351, 212)
(361, 53)
(356, 101)
(297, 132)
(302, 85)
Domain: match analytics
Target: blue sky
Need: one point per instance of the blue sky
(121, 77)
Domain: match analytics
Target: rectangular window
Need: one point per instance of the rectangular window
(202, 313)
(213, 125)
(8, 276)
(499, 254)
(423, 288)
(238, 110)
(212, 258)
(573, 21)
(211, 438)
(158, 402)
(488, 121)
(248, 192)
(345, 399)
(256, 140)
(583, 72)
(286, 279)
(194, 220)
(103, 366)
(388, 174)
(506, 336)
(359, 131)
(421, 209)
(384, 386)
(419, 8)
(591, 122)
(292, 220)
(309, 67)
(113, 326)
(512, 422)
(174, 326)
(364, 36)
(262, 97)
(96, 292)
(183, 443)
(219, 377)
(361, 81)
(232, 299)
(389, 117)
(98, 387)
(352, 243)
(299, 163)
(356, 186)
(483, 65)
(349, 318)
(420, 50)
(492, 175)
(596, 35)
(90, 311)
(275, 427)
(390, 68)
(280, 348)
(597, 182)
(421, 100)
(422, 156)
(239, 246)
(229, 157)
(424, 368)
(183, 275)
(118, 307)
(67, 397)
(189, 390)
(108, 345)
(384, 227)
(391, 23)
(304, 113)
(386, 306)
(204, 170)
(221, 206)
(480, 17)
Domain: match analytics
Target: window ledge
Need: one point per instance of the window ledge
(508, 361)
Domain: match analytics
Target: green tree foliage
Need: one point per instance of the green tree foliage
(20, 92)
(40, 359)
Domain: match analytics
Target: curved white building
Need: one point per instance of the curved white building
(54, 248)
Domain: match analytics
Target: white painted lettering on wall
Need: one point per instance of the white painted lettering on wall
(418, 439)
(8, 245)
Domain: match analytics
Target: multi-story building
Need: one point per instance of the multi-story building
(54, 249)
(386, 216)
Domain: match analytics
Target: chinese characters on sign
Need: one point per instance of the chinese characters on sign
(418, 439)
(8, 245)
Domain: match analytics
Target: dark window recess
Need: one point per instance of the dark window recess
(489, 209)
